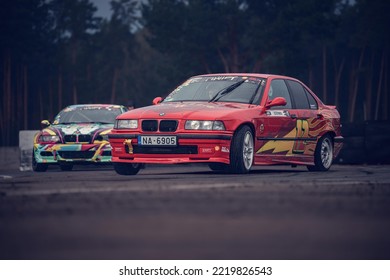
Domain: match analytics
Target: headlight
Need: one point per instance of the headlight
(49, 138)
(204, 125)
(126, 124)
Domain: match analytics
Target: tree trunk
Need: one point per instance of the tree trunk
(205, 64)
(59, 88)
(257, 67)
(50, 109)
(324, 78)
(379, 88)
(19, 97)
(386, 88)
(74, 62)
(233, 46)
(113, 87)
(368, 97)
(25, 102)
(4, 121)
(74, 91)
(355, 87)
(338, 70)
(224, 61)
(310, 75)
(126, 71)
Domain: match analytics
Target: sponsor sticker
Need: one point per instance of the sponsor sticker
(206, 150)
(277, 113)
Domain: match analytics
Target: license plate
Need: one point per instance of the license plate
(157, 140)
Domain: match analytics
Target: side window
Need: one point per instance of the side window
(278, 88)
(312, 102)
(299, 95)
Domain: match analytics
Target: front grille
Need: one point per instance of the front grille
(84, 138)
(149, 125)
(46, 154)
(76, 154)
(77, 138)
(70, 138)
(186, 150)
(168, 125)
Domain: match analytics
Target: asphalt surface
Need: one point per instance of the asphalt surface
(189, 212)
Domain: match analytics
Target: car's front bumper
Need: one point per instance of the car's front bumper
(190, 148)
(76, 153)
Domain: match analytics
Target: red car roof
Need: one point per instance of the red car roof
(258, 75)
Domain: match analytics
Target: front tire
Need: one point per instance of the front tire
(38, 167)
(242, 151)
(127, 168)
(323, 155)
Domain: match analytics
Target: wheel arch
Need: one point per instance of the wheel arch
(250, 125)
(331, 134)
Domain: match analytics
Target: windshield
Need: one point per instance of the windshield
(85, 114)
(219, 88)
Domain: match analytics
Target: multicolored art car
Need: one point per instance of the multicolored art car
(231, 121)
(77, 135)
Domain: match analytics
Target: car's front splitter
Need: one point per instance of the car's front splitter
(55, 153)
(188, 150)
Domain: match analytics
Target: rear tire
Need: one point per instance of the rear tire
(242, 151)
(323, 155)
(127, 168)
(38, 167)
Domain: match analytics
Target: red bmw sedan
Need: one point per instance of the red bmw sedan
(231, 122)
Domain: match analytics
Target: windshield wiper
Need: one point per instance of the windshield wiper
(226, 90)
(254, 94)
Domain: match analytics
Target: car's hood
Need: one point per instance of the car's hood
(185, 110)
(79, 128)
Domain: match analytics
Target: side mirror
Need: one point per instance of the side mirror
(157, 100)
(45, 123)
(277, 101)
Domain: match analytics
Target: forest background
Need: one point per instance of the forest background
(54, 53)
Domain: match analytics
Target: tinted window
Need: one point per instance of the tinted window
(278, 88)
(312, 102)
(299, 95)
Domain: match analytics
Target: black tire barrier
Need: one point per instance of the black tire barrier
(367, 142)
